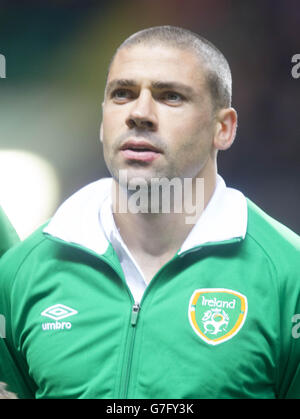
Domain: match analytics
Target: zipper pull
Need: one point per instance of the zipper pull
(134, 313)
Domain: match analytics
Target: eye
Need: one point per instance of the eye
(121, 95)
(172, 97)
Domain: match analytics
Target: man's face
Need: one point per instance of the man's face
(157, 115)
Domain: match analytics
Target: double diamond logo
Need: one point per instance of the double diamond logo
(58, 312)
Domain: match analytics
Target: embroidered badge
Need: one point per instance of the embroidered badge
(217, 314)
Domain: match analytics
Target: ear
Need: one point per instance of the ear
(226, 125)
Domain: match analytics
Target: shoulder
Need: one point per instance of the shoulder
(280, 244)
(24, 254)
(8, 235)
(266, 229)
(69, 219)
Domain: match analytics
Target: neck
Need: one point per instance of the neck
(162, 232)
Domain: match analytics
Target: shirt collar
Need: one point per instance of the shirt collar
(79, 219)
(224, 218)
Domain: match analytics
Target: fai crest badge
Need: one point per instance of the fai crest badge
(217, 314)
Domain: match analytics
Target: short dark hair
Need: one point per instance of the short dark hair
(216, 67)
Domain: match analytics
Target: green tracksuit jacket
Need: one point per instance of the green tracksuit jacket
(219, 320)
(8, 236)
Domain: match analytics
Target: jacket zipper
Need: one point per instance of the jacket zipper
(129, 353)
(129, 348)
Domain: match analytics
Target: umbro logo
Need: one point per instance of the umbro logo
(58, 312)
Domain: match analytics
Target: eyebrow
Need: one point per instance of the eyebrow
(112, 85)
(160, 85)
(173, 86)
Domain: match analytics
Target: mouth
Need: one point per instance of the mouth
(139, 145)
(140, 150)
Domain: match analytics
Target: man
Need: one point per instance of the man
(8, 235)
(143, 302)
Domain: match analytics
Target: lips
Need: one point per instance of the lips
(140, 150)
(139, 146)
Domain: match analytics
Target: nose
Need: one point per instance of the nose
(142, 114)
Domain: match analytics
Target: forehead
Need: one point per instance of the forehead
(157, 62)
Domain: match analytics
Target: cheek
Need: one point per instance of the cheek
(193, 133)
(110, 131)
(112, 117)
(107, 123)
(191, 145)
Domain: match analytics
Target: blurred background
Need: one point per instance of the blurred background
(57, 53)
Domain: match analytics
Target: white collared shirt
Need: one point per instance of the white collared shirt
(86, 220)
(226, 204)
(133, 275)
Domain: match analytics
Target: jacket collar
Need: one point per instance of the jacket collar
(223, 220)
(77, 220)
